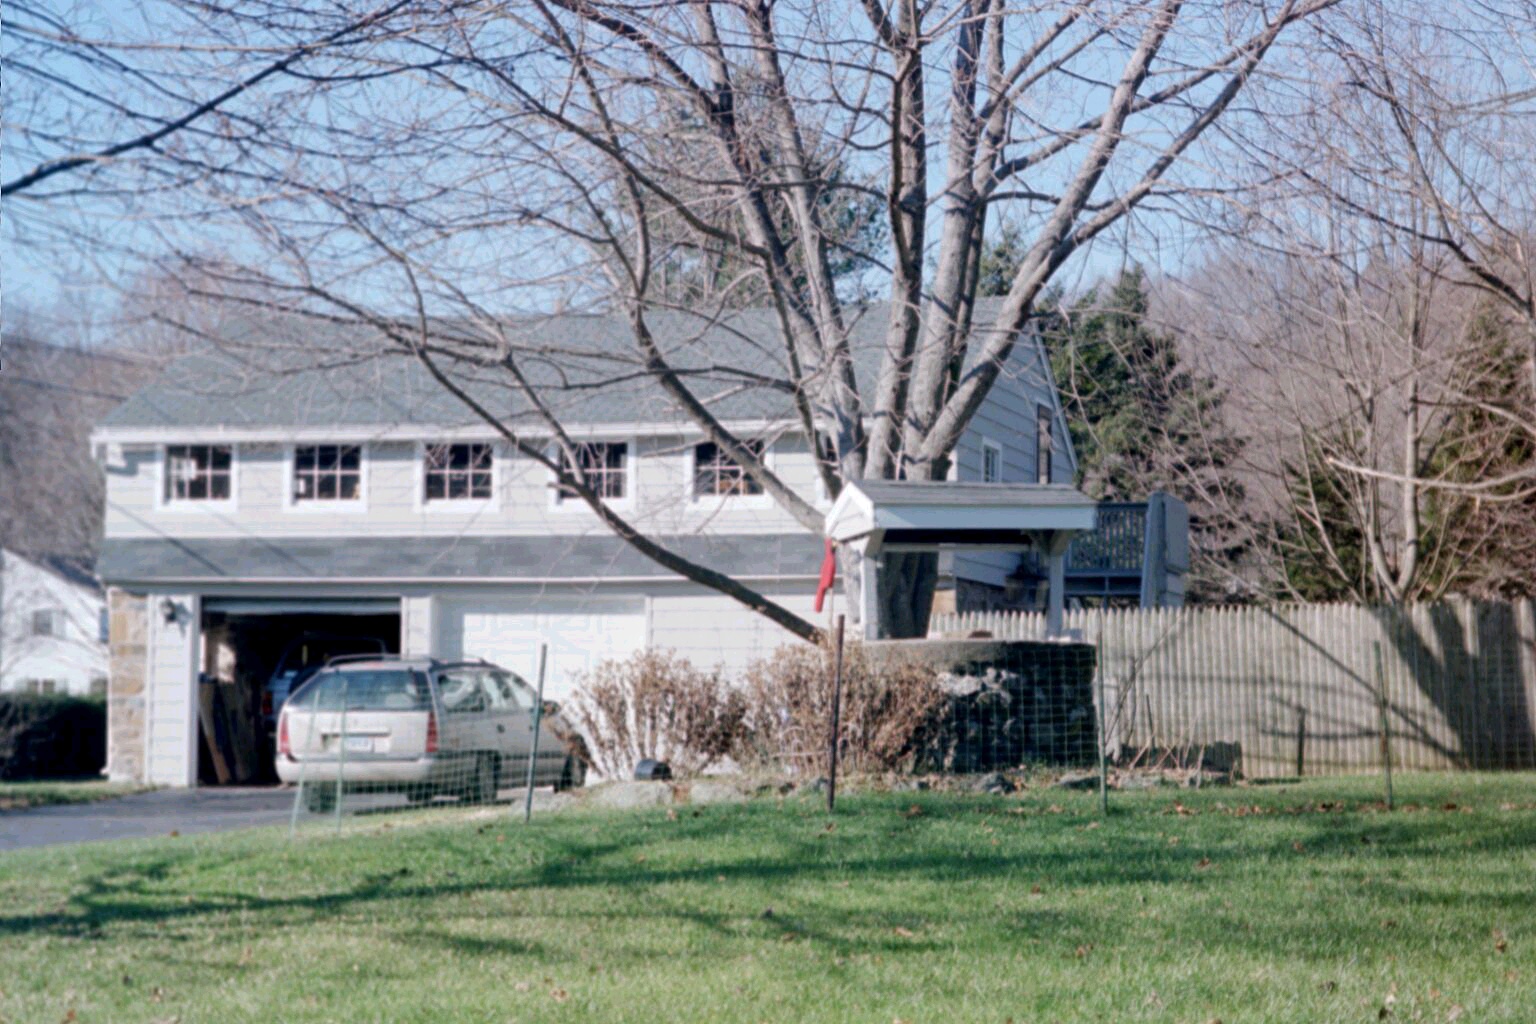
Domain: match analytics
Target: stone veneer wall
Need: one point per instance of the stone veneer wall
(1011, 703)
(128, 619)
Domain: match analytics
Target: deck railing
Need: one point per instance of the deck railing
(1117, 543)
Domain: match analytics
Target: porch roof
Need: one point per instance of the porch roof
(884, 515)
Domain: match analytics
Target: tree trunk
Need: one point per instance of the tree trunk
(907, 583)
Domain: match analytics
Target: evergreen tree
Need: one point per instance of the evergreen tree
(1140, 419)
(1319, 538)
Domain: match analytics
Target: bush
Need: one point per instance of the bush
(51, 736)
(656, 704)
(888, 711)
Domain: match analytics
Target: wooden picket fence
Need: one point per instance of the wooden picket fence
(1300, 689)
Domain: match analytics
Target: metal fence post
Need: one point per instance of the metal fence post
(533, 750)
(1098, 674)
(1301, 738)
(837, 707)
(1386, 724)
(341, 751)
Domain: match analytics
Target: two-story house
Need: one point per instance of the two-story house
(250, 501)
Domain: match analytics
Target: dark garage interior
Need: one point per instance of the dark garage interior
(244, 643)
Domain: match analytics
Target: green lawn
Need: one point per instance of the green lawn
(15, 796)
(1253, 904)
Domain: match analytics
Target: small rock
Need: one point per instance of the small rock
(714, 791)
(957, 685)
(1198, 779)
(910, 786)
(629, 795)
(816, 785)
(552, 803)
(997, 783)
(1077, 780)
(1138, 780)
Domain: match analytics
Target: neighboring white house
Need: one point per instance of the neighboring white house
(52, 627)
(245, 507)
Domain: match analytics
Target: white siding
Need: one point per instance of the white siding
(418, 625)
(172, 686)
(712, 630)
(660, 501)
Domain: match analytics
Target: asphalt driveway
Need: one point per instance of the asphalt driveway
(140, 815)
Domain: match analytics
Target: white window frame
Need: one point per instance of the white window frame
(631, 477)
(458, 505)
(729, 501)
(356, 505)
(989, 446)
(165, 503)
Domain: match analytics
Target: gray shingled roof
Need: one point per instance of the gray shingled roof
(283, 372)
(510, 559)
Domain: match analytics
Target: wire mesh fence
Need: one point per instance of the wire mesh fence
(1303, 690)
(1129, 699)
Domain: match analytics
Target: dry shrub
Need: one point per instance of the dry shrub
(887, 711)
(656, 704)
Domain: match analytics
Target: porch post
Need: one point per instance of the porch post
(869, 596)
(1056, 556)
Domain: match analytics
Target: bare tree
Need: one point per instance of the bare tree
(474, 159)
(1376, 404)
(51, 395)
(1421, 119)
(1393, 251)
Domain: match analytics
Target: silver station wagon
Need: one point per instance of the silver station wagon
(417, 726)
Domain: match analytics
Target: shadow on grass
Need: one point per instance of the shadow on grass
(590, 865)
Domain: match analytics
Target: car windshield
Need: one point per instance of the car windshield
(362, 690)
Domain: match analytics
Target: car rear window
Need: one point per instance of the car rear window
(380, 690)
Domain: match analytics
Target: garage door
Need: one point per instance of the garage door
(580, 632)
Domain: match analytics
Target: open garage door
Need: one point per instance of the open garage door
(254, 652)
(580, 632)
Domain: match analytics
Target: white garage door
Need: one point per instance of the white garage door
(580, 632)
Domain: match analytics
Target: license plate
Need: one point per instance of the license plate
(359, 744)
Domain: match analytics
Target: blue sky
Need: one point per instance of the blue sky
(52, 274)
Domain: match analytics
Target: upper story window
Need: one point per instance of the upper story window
(458, 472)
(1044, 445)
(327, 472)
(604, 464)
(198, 472)
(48, 622)
(716, 473)
(991, 462)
